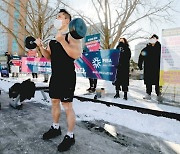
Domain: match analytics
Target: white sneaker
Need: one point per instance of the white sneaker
(147, 96)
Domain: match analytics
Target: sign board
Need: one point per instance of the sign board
(36, 65)
(3, 62)
(170, 62)
(98, 65)
(15, 60)
(92, 42)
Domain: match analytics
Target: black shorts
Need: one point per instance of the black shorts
(62, 88)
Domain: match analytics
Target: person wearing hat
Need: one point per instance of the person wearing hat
(150, 55)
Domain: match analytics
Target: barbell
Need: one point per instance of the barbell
(77, 29)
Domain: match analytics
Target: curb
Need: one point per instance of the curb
(170, 115)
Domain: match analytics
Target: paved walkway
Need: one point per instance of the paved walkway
(21, 133)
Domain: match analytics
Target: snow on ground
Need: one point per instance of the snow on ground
(164, 128)
(135, 94)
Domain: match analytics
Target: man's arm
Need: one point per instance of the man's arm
(45, 52)
(73, 48)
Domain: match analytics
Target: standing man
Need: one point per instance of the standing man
(150, 55)
(62, 52)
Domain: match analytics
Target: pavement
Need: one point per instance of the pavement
(21, 133)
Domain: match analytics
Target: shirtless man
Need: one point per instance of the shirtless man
(62, 52)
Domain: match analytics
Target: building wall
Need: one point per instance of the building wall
(16, 20)
(4, 19)
(17, 24)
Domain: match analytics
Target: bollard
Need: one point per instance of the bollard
(100, 93)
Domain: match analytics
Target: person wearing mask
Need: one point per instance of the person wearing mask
(62, 52)
(122, 74)
(150, 56)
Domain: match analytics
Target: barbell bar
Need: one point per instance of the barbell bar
(77, 29)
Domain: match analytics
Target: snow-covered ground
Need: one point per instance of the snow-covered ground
(164, 128)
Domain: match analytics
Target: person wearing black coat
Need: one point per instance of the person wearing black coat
(122, 74)
(8, 61)
(150, 55)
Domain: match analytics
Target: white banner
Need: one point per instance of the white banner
(170, 62)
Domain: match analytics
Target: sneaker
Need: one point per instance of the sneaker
(66, 143)
(51, 133)
(147, 96)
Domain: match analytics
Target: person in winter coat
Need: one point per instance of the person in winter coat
(150, 55)
(122, 74)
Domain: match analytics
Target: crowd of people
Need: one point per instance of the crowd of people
(149, 61)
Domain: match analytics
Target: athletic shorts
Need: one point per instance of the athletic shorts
(62, 88)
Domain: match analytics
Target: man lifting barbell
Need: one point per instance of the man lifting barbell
(62, 52)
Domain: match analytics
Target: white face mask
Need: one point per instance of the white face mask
(152, 41)
(57, 24)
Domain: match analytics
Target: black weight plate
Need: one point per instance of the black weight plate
(77, 28)
(29, 42)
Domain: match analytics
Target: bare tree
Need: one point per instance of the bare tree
(117, 18)
(35, 19)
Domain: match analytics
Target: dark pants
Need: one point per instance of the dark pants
(34, 75)
(149, 89)
(9, 68)
(124, 88)
(93, 83)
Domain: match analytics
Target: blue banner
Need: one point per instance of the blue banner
(98, 65)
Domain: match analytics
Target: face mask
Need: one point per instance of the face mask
(152, 41)
(121, 43)
(57, 24)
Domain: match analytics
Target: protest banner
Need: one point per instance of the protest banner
(35, 65)
(170, 63)
(98, 65)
